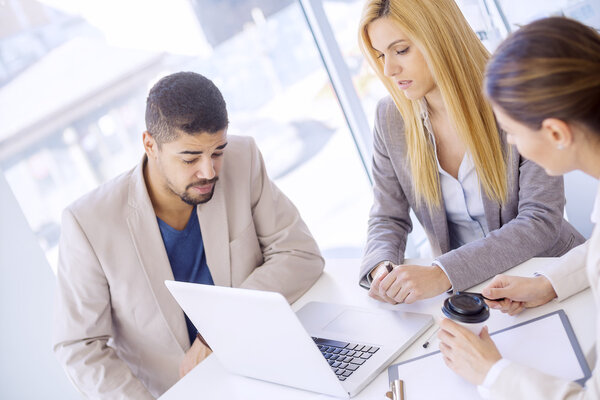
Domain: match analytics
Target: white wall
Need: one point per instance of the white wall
(28, 368)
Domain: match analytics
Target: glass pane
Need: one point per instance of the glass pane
(522, 12)
(72, 102)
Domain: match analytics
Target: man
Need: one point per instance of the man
(200, 208)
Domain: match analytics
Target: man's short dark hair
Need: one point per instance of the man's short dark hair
(184, 102)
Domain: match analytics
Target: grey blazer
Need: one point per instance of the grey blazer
(530, 224)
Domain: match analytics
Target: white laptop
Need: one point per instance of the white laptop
(325, 348)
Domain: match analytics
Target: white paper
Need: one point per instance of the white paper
(543, 344)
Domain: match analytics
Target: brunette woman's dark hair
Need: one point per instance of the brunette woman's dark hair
(549, 68)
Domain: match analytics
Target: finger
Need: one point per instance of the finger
(520, 309)
(451, 327)
(402, 295)
(445, 348)
(494, 293)
(384, 297)
(445, 336)
(383, 294)
(376, 296)
(394, 289)
(388, 280)
(448, 362)
(496, 305)
(412, 297)
(400, 289)
(485, 333)
(515, 308)
(505, 305)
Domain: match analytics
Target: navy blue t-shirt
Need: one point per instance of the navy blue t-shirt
(185, 250)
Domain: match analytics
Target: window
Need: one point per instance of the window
(75, 106)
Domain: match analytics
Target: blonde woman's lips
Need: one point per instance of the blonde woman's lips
(404, 84)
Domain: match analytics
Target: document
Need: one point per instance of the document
(546, 343)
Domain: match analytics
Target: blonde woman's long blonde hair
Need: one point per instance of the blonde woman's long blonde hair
(456, 58)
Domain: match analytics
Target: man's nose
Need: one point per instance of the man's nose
(206, 169)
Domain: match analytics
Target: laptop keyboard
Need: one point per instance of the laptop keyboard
(343, 357)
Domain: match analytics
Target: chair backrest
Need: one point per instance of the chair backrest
(580, 191)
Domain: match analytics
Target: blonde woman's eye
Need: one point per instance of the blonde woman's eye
(402, 52)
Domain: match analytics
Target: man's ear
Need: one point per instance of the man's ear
(150, 145)
(558, 132)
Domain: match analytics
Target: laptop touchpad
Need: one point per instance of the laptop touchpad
(359, 323)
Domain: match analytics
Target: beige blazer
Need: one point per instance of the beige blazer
(572, 273)
(118, 332)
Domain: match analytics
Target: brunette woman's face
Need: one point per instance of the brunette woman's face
(541, 146)
(402, 61)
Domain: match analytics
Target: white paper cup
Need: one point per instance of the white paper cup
(474, 327)
(468, 310)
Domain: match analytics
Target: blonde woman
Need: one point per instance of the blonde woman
(544, 84)
(439, 152)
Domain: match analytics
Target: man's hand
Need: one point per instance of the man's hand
(193, 357)
(409, 283)
(517, 293)
(465, 353)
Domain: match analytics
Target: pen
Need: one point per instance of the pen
(429, 338)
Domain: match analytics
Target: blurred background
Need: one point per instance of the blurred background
(74, 75)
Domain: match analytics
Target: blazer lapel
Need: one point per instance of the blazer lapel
(439, 223)
(153, 256)
(212, 216)
(492, 212)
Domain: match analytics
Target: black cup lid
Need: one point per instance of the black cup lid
(466, 307)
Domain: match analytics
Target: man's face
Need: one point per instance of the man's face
(189, 166)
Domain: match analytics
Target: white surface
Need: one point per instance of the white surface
(339, 284)
(542, 344)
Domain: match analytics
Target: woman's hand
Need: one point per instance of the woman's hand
(517, 293)
(409, 283)
(465, 353)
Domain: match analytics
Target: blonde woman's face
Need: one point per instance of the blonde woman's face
(402, 61)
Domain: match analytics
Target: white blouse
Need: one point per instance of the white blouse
(461, 195)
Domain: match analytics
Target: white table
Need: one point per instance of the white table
(339, 284)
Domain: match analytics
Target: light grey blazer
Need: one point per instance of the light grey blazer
(529, 224)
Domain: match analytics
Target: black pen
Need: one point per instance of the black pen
(429, 338)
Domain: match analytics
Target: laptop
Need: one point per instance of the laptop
(325, 348)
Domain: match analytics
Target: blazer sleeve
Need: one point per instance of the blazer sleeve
(522, 382)
(389, 218)
(568, 274)
(533, 231)
(292, 259)
(83, 322)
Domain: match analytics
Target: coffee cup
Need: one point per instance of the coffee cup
(467, 309)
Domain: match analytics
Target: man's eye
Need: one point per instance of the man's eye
(188, 161)
(216, 155)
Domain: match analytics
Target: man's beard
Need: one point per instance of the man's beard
(199, 199)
